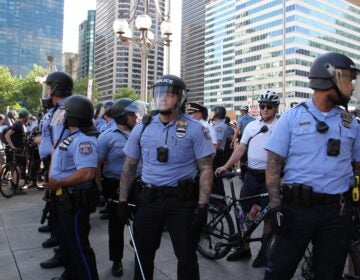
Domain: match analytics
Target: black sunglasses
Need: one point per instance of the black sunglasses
(268, 106)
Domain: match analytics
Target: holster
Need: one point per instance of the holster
(86, 199)
(298, 194)
(188, 190)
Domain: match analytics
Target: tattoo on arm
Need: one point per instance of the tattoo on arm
(128, 175)
(273, 170)
(206, 178)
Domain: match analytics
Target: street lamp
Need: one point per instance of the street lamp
(146, 41)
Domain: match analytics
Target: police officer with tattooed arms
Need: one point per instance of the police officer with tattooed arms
(316, 141)
(173, 149)
(73, 170)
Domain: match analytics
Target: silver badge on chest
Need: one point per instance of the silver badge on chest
(180, 128)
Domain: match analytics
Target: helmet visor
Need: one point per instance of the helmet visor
(167, 97)
(137, 107)
(346, 80)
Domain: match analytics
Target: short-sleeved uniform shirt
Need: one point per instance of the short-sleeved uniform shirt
(111, 151)
(243, 121)
(221, 129)
(257, 155)
(186, 141)
(296, 138)
(75, 152)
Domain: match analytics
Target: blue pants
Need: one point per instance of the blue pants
(149, 221)
(329, 232)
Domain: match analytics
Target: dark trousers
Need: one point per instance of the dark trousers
(115, 227)
(329, 232)
(149, 222)
(74, 239)
(218, 182)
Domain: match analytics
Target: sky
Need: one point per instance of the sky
(75, 12)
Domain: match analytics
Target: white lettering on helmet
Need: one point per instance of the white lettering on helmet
(165, 81)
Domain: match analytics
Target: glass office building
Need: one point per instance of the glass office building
(86, 46)
(193, 48)
(273, 46)
(118, 64)
(30, 31)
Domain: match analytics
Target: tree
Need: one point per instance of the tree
(9, 89)
(81, 87)
(126, 93)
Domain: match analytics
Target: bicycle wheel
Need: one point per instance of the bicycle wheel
(219, 228)
(9, 181)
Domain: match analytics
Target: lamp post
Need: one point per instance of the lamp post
(146, 41)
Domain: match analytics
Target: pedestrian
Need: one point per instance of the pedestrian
(253, 140)
(174, 150)
(15, 139)
(243, 120)
(316, 142)
(111, 158)
(59, 87)
(200, 113)
(72, 176)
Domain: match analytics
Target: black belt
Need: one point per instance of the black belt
(161, 190)
(300, 194)
(257, 172)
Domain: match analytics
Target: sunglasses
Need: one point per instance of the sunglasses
(268, 106)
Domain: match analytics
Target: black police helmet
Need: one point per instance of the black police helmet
(219, 112)
(320, 77)
(61, 84)
(169, 84)
(120, 107)
(79, 111)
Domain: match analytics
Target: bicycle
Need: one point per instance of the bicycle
(219, 235)
(9, 174)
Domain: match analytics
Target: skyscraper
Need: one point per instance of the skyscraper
(86, 46)
(30, 31)
(273, 46)
(193, 48)
(117, 64)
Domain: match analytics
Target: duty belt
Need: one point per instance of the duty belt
(301, 194)
(165, 191)
(257, 172)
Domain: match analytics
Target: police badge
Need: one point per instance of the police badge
(346, 119)
(180, 128)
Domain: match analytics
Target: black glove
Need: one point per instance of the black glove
(199, 219)
(123, 212)
(278, 221)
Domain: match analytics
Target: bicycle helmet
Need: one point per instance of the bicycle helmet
(244, 108)
(269, 97)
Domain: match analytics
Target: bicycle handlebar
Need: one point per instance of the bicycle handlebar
(228, 174)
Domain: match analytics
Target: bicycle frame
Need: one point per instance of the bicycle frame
(230, 202)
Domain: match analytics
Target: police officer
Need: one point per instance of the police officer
(254, 138)
(172, 147)
(73, 170)
(200, 113)
(59, 87)
(221, 129)
(316, 141)
(241, 123)
(106, 122)
(112, 157)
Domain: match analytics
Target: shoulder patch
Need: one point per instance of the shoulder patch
(206, 132)
(219, 129)
(85, 148)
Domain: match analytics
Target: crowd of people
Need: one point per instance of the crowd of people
(166, 163)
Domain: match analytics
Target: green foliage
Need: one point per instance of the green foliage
(81, 86)
(9, 89)
(125, 93)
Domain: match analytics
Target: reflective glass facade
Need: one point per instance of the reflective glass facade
(86, 46)
(30, 31)
(118, 65)
(193, 48)
(273, 53)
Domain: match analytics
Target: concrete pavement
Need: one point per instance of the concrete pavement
(21, 251)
